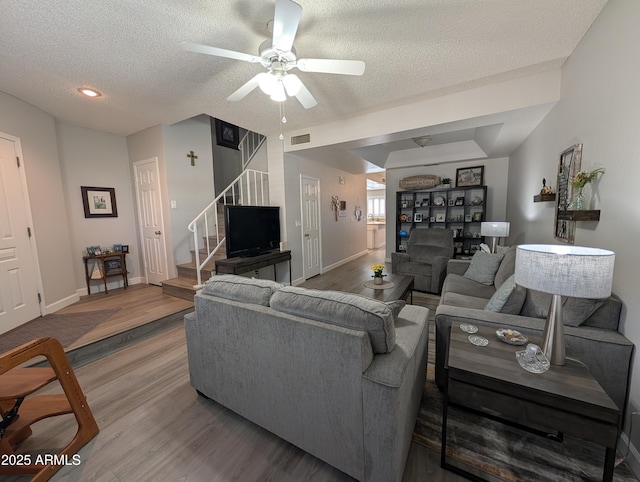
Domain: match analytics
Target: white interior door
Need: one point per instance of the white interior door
(311, 254)
(19, 301)
(151, 221)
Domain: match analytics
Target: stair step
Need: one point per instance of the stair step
(179, 288)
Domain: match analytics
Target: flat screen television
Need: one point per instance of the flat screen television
(251, 230)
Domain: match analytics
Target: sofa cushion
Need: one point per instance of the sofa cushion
(455, 283)
(574, 310)
(483, 267)
(508, 298)
(344, 309)
(507, 266)
(240, 288)
(451, 298)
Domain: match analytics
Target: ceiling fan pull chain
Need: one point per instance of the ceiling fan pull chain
(283, 120)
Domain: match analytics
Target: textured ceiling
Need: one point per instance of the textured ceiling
(130, 51)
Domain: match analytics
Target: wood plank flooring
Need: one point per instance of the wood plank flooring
(154, 427)
(139, 304)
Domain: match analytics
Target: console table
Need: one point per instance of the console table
(241, 265)
(112, 264)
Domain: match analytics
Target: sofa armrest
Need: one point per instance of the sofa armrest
(396, 259)
(439, 271)
(458, 266)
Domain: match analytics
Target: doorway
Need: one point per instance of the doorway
(311, 245)
(19, 278)
(151, 221)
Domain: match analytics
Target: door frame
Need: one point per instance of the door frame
(319, 214)
(42, 306)
(139, 214)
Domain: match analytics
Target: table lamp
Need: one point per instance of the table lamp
(574, 271)
(495, 230)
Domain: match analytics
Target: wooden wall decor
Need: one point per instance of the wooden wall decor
(423, 181)
(569, 164)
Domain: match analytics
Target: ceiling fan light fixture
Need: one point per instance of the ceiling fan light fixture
(267, 83)
(422, 140)
(291, 84)
(278, 94)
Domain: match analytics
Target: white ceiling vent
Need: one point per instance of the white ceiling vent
(303, 139)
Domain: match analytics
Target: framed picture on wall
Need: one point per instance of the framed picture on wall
(227, 135)
(470, 176)
(99, 202)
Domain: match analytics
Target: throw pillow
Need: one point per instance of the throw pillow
(240, 288)
(396, 307)
(575, 311)
(508, 298)
(507, 266)
(483, 267)
(502, 249)
(343, 309)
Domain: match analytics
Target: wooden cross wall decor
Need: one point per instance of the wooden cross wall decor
(193, 158)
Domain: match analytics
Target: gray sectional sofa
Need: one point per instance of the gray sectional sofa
(339, 375)
(591, 326)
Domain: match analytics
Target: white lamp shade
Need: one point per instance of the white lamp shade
(574, 271)
(495, 229)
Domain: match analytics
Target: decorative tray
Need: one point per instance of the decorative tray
(512, 337)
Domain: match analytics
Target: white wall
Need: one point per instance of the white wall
(37, 133)
(191, 187)
(599, 107)
(495, 178)
(341, 239)
(97, 159)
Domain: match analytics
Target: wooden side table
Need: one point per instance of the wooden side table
(112, 264)
(564, 400)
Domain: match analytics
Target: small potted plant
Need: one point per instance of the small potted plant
(446, 182)
(377, 273)
(579, 182)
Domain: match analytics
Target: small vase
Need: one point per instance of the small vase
(578, 203)
(377, 280)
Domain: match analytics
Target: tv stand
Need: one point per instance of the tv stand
(245, 265)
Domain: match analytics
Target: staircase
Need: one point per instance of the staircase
(251, 188)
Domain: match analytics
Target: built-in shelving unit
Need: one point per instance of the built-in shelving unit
(460, 209)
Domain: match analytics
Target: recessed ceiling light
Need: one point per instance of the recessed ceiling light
(89, 92)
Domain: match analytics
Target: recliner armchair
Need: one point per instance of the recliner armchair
(428, 251)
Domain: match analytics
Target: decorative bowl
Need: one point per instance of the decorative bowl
(512, 337)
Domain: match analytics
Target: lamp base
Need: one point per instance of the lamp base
(553, 337)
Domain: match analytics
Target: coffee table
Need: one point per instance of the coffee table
(403, 288)
(566, 399)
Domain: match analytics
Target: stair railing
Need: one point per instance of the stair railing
(249, 145)
(251, 188)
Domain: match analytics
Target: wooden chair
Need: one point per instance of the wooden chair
(20, 408)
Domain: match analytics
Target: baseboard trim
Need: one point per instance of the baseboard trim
(343, 261)
(63, 303)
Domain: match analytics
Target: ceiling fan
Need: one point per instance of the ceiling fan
(278, 56)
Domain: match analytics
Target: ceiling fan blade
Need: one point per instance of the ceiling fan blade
(306, 99)
(330, 66)
(247, 88)
(230, 54)
(285, 24)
